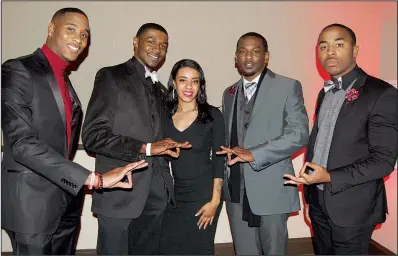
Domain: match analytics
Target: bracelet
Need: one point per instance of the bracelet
(148, 149)
(101, 182)
(92, 176)
(98, 175)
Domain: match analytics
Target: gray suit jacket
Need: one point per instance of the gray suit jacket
(277, 129)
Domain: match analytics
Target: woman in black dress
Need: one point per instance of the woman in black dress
(190, 227)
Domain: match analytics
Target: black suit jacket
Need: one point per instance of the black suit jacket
(362, 152)
(38, 179)
(118, 122)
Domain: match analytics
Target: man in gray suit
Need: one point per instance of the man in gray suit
(266, 124)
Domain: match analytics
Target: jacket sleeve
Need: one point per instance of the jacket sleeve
(97, 135)
(382, 138)
(294, 137)
(218, 139)
(26, 146)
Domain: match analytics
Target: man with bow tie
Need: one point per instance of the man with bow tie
(352, 147)
(125, 122)
(266, 123)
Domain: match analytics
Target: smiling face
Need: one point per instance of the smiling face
(250, 57)
(187, 84)
(68, 35)
(150, 48)
(336, 51)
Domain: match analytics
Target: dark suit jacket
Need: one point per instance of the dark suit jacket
(118, 122)
(362, 152)
(38, 179)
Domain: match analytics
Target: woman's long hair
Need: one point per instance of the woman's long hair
(201, 98)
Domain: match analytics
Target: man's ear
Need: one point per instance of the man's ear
(266, 58)
(51, 28)
(135, 42)
(355, 51)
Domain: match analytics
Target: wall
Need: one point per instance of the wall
(207, 32)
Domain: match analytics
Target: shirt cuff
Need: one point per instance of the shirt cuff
(148, 149)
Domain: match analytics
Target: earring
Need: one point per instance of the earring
(173, 93)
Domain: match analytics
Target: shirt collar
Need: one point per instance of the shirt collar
(254, 80)
(348, 78)
(147, 69)
(142, 69)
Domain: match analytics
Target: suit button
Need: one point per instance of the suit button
(153, 116)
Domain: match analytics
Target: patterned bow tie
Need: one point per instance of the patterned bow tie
(334, 84)
(154, 75)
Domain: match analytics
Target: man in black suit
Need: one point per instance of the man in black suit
(352, 146)
(41, 116)
(125, 122)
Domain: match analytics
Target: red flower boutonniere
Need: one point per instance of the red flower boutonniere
(351, 95)
(232, 90)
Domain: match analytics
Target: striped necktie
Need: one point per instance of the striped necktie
(250, 88)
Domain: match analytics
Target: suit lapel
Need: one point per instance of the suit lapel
(262, 93)
(162, 110)
(237, 86)
(76, 105)
(52, 82)
(314, 131)
(76, 115)
(137, 86)
(239, 115)
(346, 108)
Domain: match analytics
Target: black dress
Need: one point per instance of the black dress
(194, 172)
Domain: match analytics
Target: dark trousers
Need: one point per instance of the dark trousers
(62, 242)
(135, 236)
(332, 239)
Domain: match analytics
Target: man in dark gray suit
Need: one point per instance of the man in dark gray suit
(266, 124)
(41, 115)
(125, 122)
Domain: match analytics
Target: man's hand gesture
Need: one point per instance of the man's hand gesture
(319, 175)
(166, 146)
(112, 179)
(241, 155)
